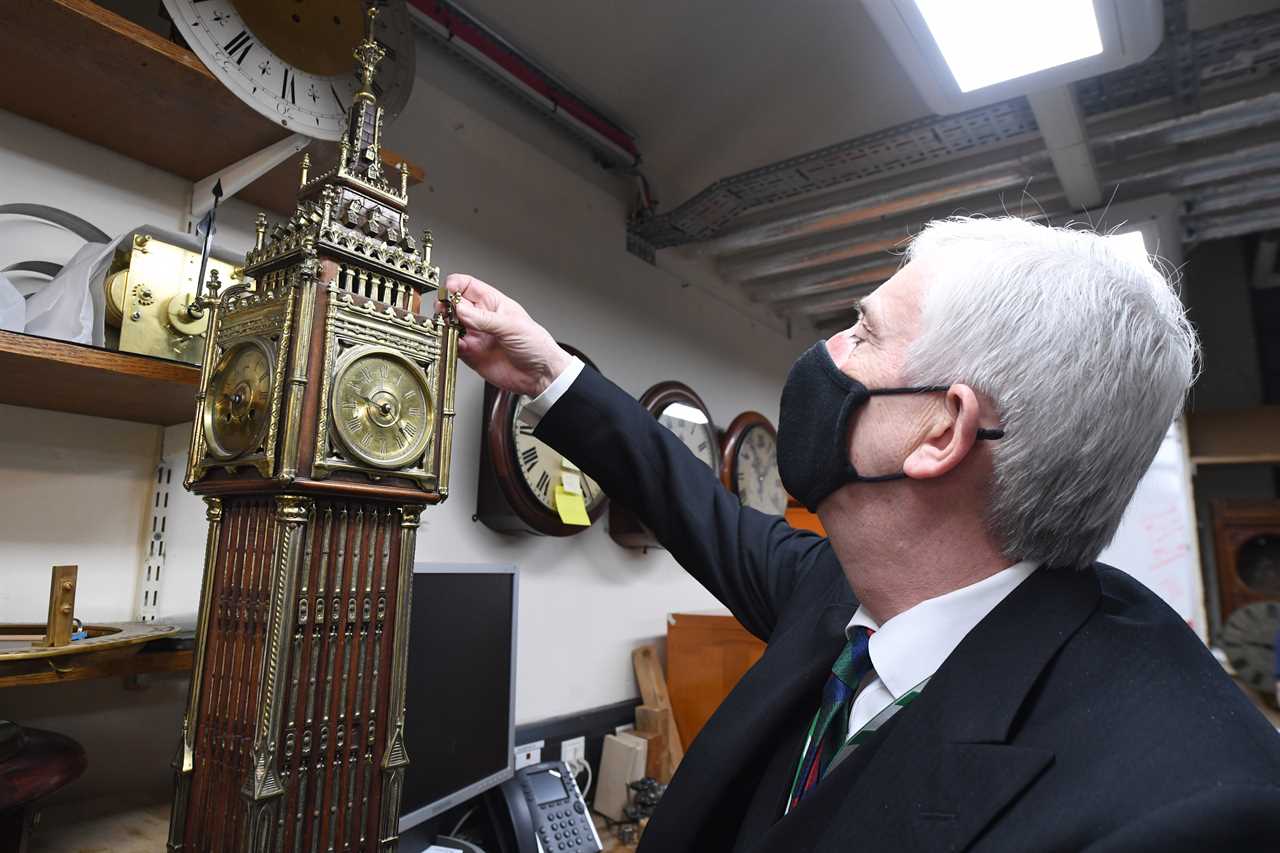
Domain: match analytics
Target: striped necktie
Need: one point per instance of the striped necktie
(830, 725)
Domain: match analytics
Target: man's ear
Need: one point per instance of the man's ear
(950, 438)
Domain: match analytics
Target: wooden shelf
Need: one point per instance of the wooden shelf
(48, 374)
(1235, 436)
(141, 663)
(83, 69)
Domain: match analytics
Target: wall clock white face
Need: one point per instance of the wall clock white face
(759, 485)
(694, 430)
(543, 468)
(291, 61)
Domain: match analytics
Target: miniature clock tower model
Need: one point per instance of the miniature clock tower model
(323, 427)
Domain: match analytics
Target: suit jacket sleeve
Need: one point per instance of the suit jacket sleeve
(1226, 817)
(748, 560)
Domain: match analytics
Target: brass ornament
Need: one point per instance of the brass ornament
(382, 407)
(238, 410)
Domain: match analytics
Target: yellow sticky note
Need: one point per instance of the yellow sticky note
(571, 507)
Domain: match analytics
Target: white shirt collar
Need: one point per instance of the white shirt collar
(912, 645)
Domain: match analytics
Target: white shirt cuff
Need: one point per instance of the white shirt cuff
(535, 409)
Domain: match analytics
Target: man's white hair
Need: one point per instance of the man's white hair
(1084, 349)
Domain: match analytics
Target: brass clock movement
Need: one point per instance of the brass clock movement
(679, 409)
(324, 426)
(519, 474)
(291, 61)
(750, 464)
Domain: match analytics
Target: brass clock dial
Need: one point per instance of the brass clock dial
(238, 407)
(291, 61)
(751, 464)
(382, 408)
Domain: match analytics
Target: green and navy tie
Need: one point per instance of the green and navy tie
(830, 726)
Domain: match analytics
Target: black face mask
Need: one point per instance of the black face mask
(813, 426)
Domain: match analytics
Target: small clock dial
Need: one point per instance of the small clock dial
(383, 409)
(239, 401)
(292, 61)
(1249, 639)
(542, 468)
(694, 430)
(759, 485)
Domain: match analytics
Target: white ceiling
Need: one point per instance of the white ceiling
(715, 87)
(712, 88)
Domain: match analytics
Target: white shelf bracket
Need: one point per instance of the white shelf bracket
(239, 175)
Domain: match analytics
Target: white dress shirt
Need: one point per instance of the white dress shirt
(533, 410)
(909, 647)
(912, 645)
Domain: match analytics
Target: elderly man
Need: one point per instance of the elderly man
(951, 669)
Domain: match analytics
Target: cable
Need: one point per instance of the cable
(590, 779)
(462, 820)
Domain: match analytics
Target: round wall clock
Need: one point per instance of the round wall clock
(1249, 639)
(239, 400)
(679, 409)
(519, 473)
(382, 407)
(292, 62)
(749, 467)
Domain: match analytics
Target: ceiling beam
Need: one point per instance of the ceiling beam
(1062, 127)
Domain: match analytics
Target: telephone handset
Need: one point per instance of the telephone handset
(547, 812)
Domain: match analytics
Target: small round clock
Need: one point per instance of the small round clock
(519, 473)
(679, 409)
(291, 61)
(1249, 639)
(749, 467)
(382, 407)
(239, 400)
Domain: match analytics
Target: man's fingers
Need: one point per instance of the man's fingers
(476, 317)
(474, 290)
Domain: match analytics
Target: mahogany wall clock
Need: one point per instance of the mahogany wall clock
(749, 467)
(519, 473)
(682, 411)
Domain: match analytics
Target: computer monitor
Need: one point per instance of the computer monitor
(460, 694)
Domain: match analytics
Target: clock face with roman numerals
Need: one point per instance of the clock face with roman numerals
(382, 409)
(291, 61)
(542, 468)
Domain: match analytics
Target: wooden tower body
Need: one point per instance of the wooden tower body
(324, 426)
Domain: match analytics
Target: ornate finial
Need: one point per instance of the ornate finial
(214, 284)
(262, 230)
(426, 245)
(368, 53)
(404, 177)
(306, 167)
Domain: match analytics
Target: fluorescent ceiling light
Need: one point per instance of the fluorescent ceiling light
(985, 42)
(1132, 244)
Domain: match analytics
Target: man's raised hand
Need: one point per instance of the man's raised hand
(503, 344)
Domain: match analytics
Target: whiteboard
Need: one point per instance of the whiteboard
(1157, 542)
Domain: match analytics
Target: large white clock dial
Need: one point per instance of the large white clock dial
(694, 431)
(543, 468)
(759, 485)
(292, 62)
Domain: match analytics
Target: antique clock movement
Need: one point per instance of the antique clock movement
(680, 410)
(749, 468)
(323, 427)
(291, 61)
(519, 474)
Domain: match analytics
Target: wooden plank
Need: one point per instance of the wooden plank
(659, 722)
(657, 757)
(141, 663)
(706, 656)
(46, 374)
(653, 685)
(1234, 436)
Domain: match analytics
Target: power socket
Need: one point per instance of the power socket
(573, 751)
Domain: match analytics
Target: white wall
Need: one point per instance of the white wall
(73, 489)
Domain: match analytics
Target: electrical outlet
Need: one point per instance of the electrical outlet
(573, 750)
(529, 753)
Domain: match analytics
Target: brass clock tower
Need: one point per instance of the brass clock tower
(323, 427)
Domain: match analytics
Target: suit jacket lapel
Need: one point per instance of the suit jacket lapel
(723, 767)
(945, 768)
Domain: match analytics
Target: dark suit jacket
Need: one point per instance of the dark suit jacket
(1080, 714)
